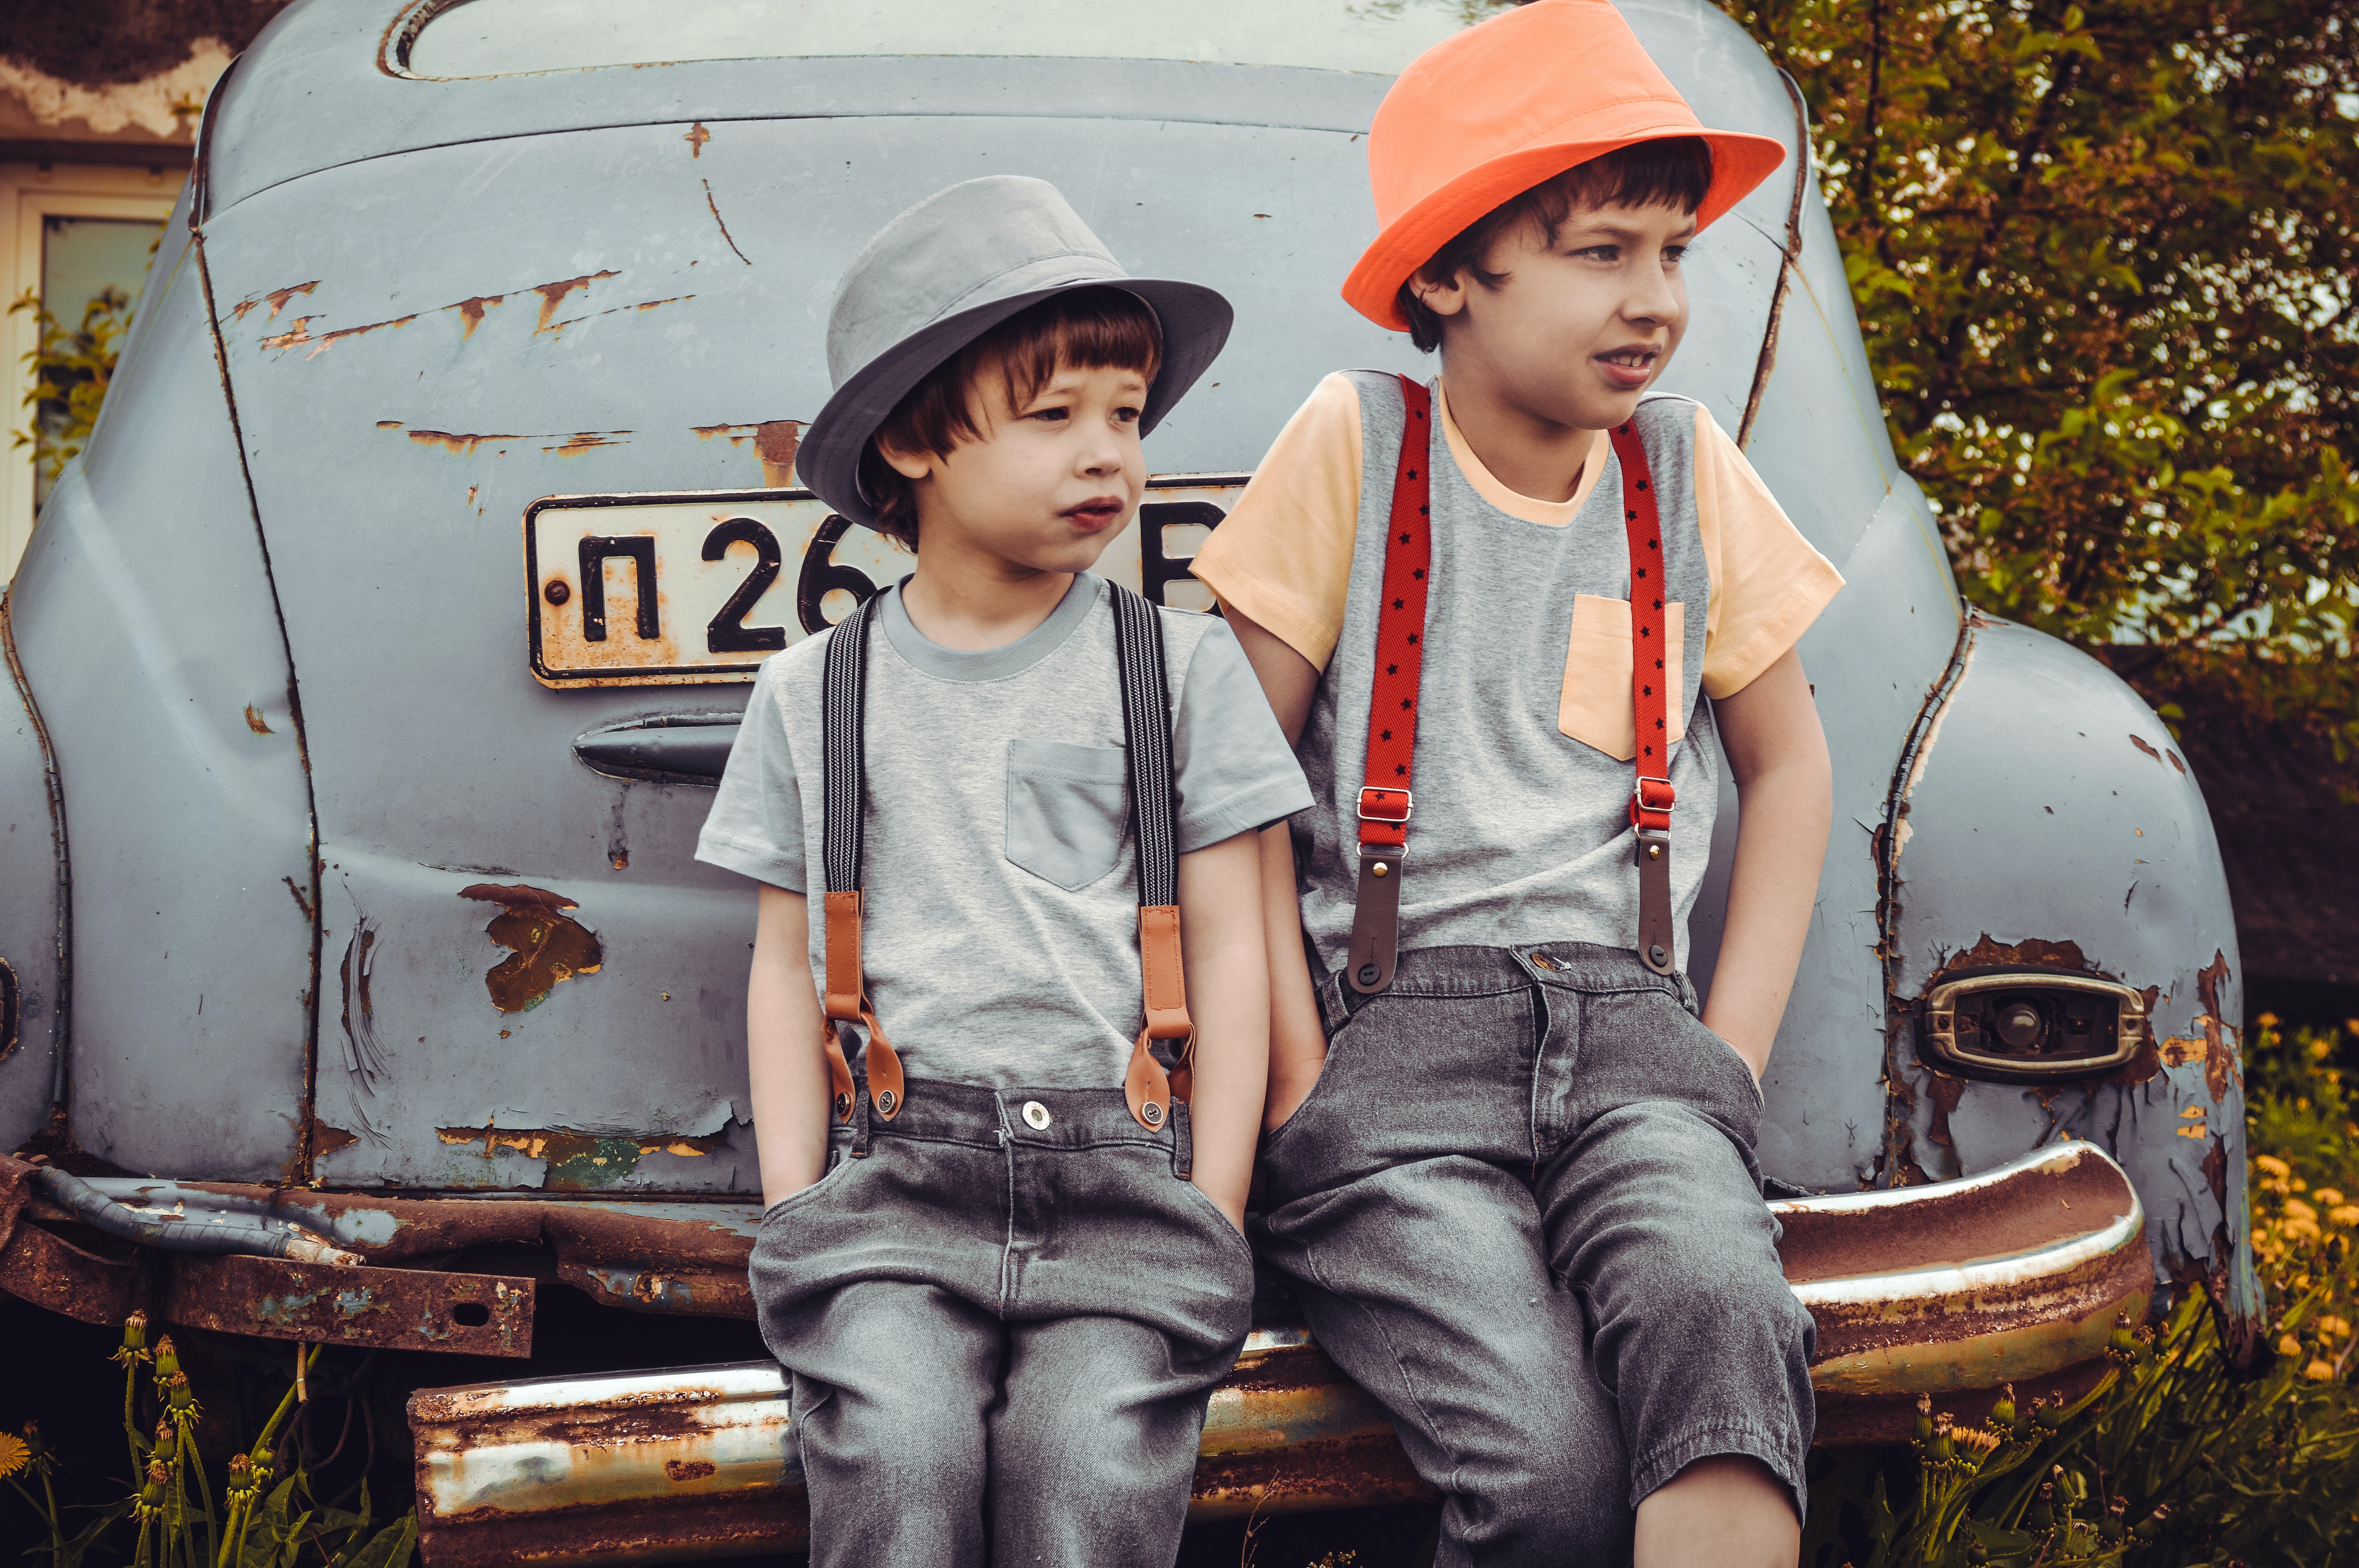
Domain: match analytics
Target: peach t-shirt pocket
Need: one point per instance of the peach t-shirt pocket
(1594, 706)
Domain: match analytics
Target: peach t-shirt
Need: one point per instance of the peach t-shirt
(1284, 555)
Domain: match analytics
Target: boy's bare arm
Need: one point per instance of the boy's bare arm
(785, 1048)
(1784, 789)
(1297, 1045)
(1228, 997)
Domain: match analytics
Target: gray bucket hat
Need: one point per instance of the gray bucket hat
(949, 269)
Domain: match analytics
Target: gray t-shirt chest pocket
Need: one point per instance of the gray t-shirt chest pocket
(1066, 809)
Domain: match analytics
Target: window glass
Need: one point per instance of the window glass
(91, 272)
(502, 38)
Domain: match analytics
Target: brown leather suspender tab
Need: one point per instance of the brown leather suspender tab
(847, 990)
(1385, 800)
(1159, 963)
(1652, 796)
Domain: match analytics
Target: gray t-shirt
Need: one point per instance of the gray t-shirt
(1001, 937)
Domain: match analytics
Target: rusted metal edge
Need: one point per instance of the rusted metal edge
(199, 192)
(299, 1165)
(1896, 1157)
(399, 1309)
(400, 36)
(270, 1298)
(1804, 164)
(62, 993)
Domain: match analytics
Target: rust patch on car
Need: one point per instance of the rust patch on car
(2221, 1067)
(690, 1469)
(277, 296)
(696, 138)
(470, 312)
(579, 1160)
(280, 297)
(582, 441)
(326, 1139)
(552, 294)
(715, 207)
(297, 332)
(548, 947)
(706, 432)
(464, 446)
(2140, 742)
(322, 345)
(2032, 953)
(254, 721)
(1945, 1090)
(557, 326)
(775, 441)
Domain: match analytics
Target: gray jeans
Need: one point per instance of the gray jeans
(1002, 1329)
(1520, 1208)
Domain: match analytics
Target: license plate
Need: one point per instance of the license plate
(700, 588)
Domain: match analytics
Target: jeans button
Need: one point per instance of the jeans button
(1035, 1116)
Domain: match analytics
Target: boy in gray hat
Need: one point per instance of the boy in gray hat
(1002, 1261)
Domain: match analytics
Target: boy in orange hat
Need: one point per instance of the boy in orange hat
(1510, 1169)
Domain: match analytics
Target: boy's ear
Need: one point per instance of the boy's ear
(911, 466)
(1442, 298)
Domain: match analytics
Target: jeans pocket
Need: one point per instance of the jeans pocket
(1067, 808)
(839, 1165)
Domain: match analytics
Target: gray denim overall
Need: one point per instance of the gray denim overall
(1003, 1310)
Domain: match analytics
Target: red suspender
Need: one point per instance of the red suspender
(1385, 798)
(1392, 711)
(1651, 797)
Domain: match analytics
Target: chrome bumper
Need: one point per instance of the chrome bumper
(2015, 1275)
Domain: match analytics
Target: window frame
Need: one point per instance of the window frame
(30, 194)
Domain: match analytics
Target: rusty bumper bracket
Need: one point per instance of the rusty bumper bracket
(406, 1309)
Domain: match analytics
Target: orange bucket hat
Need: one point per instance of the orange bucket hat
(1485, 116)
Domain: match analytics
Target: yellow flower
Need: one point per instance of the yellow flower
(2302, 1226)
(2344, 1214)
(14, 1455)
(2319, 1050)
(2298, 1184)
(2289, 1346)
(2273, 1165)
(2319, 1371)
(2327, 1196)
(2332, 1328)
(2267, 1020)
(2298, 1210)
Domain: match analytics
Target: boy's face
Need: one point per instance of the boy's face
(1048, 485)
(1578, 328)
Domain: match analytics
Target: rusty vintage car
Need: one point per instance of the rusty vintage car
(371, 668)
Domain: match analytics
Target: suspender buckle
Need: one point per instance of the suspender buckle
(1650, 804)
(1384, 804)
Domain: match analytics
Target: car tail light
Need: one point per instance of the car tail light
(2033, 1023)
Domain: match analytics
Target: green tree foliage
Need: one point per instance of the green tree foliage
(72, 368)
(2104, 260)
